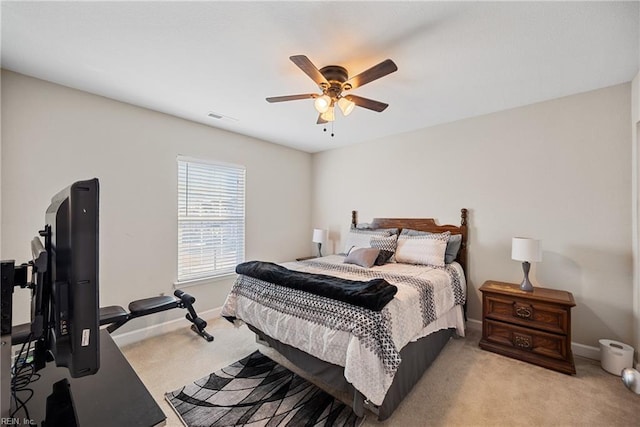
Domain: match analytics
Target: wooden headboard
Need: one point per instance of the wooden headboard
(425, 224)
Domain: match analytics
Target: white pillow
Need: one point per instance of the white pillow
(426, 249)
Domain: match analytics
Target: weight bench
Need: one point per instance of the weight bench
(116, 316)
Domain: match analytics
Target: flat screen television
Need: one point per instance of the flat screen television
(65, 301)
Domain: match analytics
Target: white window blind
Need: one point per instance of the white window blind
(210, 218)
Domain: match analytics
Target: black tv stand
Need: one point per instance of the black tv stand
(114, 396)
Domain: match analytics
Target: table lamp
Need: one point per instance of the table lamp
(320, 236)
(528, 251)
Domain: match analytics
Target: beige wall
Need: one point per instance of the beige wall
(559, 171)
(1, 257)
(635, 142)
(635, 198)
(53, 136)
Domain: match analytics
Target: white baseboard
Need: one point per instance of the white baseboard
(577, 349)
(474, 325)
(161, 328)
(172, 325)
(585, 351)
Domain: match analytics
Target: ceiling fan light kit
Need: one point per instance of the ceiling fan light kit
(332, 81)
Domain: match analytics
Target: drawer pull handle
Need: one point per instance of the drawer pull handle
(522, 341)
(524, 312)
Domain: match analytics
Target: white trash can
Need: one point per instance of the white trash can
(615, 356)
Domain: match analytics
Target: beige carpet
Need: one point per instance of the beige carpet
(466, 386)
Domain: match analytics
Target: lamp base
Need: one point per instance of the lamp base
(320, 250)
(526, 284)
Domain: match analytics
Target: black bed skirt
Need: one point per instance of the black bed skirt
(416, 357)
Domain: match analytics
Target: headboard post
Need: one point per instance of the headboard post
(354, 219)
(462, 255)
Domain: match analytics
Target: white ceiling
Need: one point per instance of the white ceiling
(455, 59)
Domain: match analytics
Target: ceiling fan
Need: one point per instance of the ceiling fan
(333, 80)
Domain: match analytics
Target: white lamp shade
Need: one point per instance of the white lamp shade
(525, 249)
(346, 106)
(322, 103)
(328, 115)
(320, 235)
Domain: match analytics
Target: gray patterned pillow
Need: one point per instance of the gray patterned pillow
(387, 246)
(360, 238)
(367, 226)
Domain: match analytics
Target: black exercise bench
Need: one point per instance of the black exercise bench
(116, 316)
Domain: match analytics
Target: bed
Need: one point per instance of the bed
(372, 349)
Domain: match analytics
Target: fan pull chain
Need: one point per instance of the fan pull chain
(325, 129)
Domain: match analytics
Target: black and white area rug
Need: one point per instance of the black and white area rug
(256, 391)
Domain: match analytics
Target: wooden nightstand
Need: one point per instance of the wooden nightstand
(531, 326)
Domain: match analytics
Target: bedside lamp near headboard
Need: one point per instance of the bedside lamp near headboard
(320, 236)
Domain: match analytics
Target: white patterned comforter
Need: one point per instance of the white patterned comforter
(366, 343)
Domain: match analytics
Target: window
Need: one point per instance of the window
(210, 218)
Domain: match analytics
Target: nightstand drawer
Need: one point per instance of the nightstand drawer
(532, 314)
(526, 341)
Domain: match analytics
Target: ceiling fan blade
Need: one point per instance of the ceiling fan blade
(310, 70)
(291, 97)
(321, 121)
(382, 69)
(367, 103)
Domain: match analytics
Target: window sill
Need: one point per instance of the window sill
(203, 281)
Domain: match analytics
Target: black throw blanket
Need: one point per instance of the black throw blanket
(373, 295)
